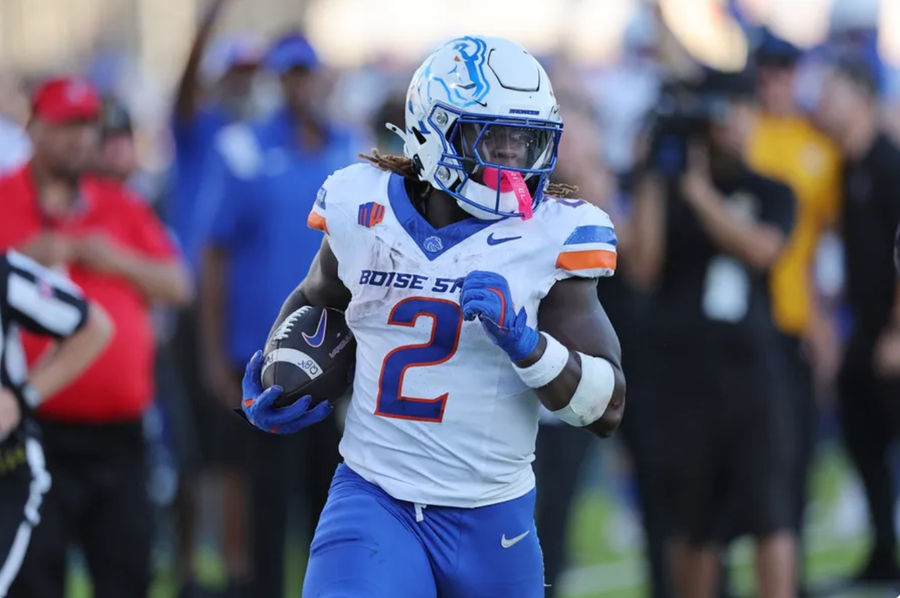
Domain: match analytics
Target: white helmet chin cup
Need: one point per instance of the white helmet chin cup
(482, 201)
(482, 85)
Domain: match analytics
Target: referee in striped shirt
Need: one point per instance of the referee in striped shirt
(40, 301)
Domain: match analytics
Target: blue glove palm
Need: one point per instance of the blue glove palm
(258, 404)
(486, 296)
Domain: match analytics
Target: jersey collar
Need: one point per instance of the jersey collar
(432, 241)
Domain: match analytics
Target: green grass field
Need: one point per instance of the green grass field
(603, 566)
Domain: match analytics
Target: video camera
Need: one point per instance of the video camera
(684, 113)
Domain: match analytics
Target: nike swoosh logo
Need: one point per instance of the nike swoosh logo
(491, 240)
(507, 542)
(318, 338)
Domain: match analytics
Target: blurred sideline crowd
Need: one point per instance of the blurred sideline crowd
(755, 297)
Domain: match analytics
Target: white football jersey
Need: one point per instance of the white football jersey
(438, 416)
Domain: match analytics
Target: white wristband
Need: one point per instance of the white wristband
(548, 367)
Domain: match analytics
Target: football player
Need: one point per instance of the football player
(470, 286)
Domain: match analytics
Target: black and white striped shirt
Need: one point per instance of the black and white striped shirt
(39, 300)
(36, 299)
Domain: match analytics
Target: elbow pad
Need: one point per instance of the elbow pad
(594, 391)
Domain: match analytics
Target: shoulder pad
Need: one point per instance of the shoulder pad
(339, 194)
(586, 238)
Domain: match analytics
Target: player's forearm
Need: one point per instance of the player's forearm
(73, 355)
(611, 419)
(573, 364)
(294, 301)
(322, 286)
(306, 293)
(558, 393)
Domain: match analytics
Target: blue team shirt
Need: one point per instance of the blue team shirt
(266, 185)
(193, 141)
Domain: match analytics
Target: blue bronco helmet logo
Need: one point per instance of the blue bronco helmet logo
(462, 81)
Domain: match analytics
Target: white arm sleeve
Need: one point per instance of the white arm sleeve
(593, 393)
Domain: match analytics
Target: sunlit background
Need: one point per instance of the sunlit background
(136, 49)
(38, 33)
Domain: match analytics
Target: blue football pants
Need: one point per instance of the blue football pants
(370, 545)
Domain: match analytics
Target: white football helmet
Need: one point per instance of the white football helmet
(483, 125)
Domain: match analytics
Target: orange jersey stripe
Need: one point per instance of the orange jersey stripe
(586, 260)
(317, 222)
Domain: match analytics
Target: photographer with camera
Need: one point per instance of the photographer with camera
(706, 229)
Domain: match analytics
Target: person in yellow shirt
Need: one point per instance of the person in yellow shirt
(785, 145)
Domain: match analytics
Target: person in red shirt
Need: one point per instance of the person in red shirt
(111, 244)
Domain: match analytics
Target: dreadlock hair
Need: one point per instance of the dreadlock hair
(392, 163)
(404, 167)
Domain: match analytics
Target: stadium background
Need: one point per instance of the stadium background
(135, 49)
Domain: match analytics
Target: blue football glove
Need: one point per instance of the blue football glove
(258, 404)
(486, 295)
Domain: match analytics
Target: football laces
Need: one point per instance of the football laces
(284, 329)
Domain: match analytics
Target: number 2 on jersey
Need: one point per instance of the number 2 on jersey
(446, 322)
